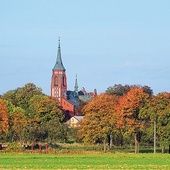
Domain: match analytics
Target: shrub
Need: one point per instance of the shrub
(14, 147)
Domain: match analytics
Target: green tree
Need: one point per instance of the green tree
(21, 96)
(118, 89)
(121, 90)
(19, 124)
(45, 118)
(159, 111)
(11, 96)
(163, 126)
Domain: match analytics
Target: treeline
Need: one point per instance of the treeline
(122, 116)
(125, 115)
(28, 116)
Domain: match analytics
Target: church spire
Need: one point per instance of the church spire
(59, 64)
(76, 85)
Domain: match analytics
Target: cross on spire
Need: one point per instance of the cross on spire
(58, 42)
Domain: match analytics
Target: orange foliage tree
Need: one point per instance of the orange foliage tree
(3, 118)
(16, 122)
(128, 110)
(99, 120)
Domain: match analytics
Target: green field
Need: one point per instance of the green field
(84, 161)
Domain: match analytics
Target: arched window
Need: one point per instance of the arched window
(56, 81)
(64, 81)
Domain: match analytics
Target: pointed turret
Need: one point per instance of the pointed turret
(59, 63)
(76, 85)
(59, 79)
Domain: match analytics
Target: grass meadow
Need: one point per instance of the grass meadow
(89, 160)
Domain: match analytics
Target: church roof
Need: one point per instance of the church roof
(74, 101)
(85, 98)
(72, 97)
(59, 64)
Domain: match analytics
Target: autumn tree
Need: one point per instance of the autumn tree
(99, 119)
(3, 119)
(128, 110)
(33, 116)
(16, 123)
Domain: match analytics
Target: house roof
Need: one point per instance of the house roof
(78, 117)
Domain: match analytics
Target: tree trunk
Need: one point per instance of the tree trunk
(111, 141)
(0, 146)
(154, 136)
(163, 149)
(104, 145)
(136, 144)
(40, 148)
(46, 148)
(32, 147)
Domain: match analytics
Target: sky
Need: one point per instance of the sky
(104, 42)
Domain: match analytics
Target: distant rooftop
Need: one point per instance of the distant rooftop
(78, 117)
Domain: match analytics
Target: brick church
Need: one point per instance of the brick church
(68, 100)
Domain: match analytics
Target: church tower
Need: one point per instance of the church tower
(59, 79)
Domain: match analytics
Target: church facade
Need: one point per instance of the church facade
(68, 100)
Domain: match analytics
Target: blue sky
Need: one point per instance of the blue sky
(103, 42)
